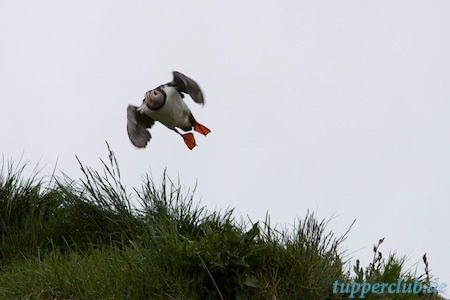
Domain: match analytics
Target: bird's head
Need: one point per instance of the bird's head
(155, 99)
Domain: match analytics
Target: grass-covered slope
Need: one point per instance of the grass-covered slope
(84, 239)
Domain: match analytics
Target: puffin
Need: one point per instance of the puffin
(166, 105)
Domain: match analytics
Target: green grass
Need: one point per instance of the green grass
(84, 239)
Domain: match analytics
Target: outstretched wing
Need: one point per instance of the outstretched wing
(186, 85)
(137, 127)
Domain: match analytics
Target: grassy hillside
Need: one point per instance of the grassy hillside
(84, 239)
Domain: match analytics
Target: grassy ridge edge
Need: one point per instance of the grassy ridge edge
(93, 239)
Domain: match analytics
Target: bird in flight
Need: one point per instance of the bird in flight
(165, 104)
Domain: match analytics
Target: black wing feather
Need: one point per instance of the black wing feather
(186, 85)
(137, 127)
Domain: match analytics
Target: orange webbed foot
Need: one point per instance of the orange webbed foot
(201, 129)
(189, 140)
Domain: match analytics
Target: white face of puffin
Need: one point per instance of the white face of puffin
(155, 99)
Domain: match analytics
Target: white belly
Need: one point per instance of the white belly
(174, 113)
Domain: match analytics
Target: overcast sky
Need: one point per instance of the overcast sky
(339, 107)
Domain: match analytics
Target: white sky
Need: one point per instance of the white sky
(340, 107)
